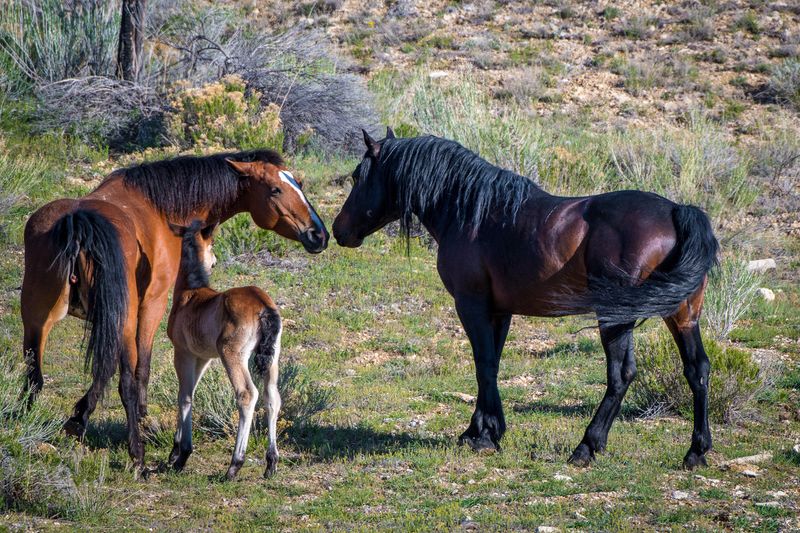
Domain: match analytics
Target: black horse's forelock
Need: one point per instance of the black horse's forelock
(181, 185)
(424, 171)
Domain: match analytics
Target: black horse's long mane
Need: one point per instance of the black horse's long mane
(181, 185)
(426, 171)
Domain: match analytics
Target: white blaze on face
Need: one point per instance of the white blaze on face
(287, 177)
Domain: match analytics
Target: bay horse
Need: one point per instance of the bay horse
(110, 258)
(507, 247)
(233, 326)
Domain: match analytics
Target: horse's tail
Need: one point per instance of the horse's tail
(663, 292)
(88, 232)
(268, 346)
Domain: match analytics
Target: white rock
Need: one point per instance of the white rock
(547, 529)
(749, 459)
(768, 504)
(750, 473)
(766, 294)
(562, 477)
(778, 494)
(434, 74)
(761, 265)
(680, 495)
(796, 448)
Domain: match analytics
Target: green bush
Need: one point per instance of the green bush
(224, 114)
(660, 386)
(240, 236)
(18, 177)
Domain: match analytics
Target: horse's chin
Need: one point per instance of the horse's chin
(350, 242)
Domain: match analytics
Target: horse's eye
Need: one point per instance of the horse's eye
(276, 191)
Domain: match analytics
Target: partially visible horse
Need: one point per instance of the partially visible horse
(233, 326)
(507, 247)
(110, 258)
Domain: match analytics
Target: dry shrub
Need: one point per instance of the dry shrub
(785, 82)
(730, 293)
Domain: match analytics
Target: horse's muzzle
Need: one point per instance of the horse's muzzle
(314, 240)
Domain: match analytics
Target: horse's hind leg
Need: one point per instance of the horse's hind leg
(620, 371)
(685, 329)
(151, 311)
(246, 397)
(273, 402)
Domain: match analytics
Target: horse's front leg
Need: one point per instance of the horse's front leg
(487, 335)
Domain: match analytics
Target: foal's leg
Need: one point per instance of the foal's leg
(273, 407)
(485, 333)
(189, 371)
(246, 397)
(620, 371)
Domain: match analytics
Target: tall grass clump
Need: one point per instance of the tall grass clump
(19, 176)
(459, 109)
(693, 164)
(214, 405)
(50, 40)
(660, 387)
(33, 479)
(730, 293)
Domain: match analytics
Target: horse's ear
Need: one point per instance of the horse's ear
(208, 231)
(373, 146)
(178, 230)
(242, 167)
(389, 133)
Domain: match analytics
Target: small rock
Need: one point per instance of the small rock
(547, 529)
(749, 473)
(778, 494)
(469, 525)
(436, 74)
(466, 398)
(680, 495)
(796, 448)
(766, 294)
(562, 477)
(748, 460)
(768, 504)
(761, 265)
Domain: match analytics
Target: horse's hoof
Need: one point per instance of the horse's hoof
(693, 460)
(582, 456)
(74, 428)
(272, 464)
(482, 445)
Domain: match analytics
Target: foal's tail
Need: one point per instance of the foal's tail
(663, 292)
(269, 340)
(88, 232)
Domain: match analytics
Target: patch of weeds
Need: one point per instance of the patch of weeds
(731, 291)
(784, 82)
(748, 22)
(715, 55)
(637, 27)
(610, 13)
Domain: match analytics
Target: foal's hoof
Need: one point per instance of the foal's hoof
(482, 444)
(582, 456)
(272, 464)
(74, 428)
(233, 470)
(693, 460)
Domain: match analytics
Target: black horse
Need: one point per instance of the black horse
(507, 247)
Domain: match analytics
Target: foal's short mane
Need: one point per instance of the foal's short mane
(427, 171)
(182, 185)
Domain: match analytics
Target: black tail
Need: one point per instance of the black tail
(270, 328)
(662, 293)
(88, 231)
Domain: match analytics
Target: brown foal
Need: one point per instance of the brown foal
(233, 326)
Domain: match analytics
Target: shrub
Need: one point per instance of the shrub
(223, 114)
(661, 388)
(731, 291)
(18, 176)
(214, 406)
(785, 82)
(241, 237)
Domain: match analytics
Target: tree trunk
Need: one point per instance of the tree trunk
(131, 39)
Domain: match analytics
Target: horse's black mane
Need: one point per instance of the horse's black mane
(427, 170)
(181, 185)
(192, 269)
